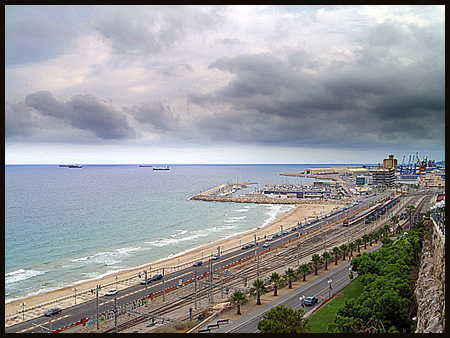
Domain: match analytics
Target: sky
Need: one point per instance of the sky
(212, 84)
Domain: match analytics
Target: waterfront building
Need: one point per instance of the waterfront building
(384, 177)
(433, 181)
(390, 162)
(364, 180)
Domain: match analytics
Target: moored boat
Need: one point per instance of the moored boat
(165, 168)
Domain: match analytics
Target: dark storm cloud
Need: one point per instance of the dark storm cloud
(346, 101)
(155, 114)
(19, 120)
(84, 112)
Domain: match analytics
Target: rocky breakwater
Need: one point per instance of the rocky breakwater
(430, 285)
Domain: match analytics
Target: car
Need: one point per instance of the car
(146, 281)
(156, 277)
(198, 263)
(53, 311)
(214, 257)
(266, 244)
(245, 247)
(269, 238)
(112, 292)
(310, 301)
(293, 228)
(251, 245)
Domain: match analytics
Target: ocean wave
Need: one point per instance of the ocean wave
(20, 275)
(171, 241)
(242, 210)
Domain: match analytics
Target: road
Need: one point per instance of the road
(89, 308)
(318, 287)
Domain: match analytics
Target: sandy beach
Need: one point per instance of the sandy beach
(298, 213)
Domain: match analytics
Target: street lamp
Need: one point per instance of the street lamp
(329, 287)
(75, 292)
(23, 310)
(301, 298)
(116, 281)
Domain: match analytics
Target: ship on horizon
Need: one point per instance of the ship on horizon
(145, 165)
(70, 166)
(165, 168)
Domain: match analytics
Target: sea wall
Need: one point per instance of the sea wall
(430, 285)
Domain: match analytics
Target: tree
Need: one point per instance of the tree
(290, 275)
(336, 252)
(238, 298)
(258, 289)
(326, 257)
(358, 243)
(275, 278)
(387, 228)
(410, 210)
(351, 247)
(316, 260)
(282, 319)
(304, 268)
(344, 250)
(365, 238)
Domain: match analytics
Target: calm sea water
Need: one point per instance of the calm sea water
(64, 226)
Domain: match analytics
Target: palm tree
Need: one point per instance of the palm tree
(304, 268)
(378, 234)
(258, 289)
(410, 210)
(275, 278)
(326, 257)
(238, 298)
(388, 229)
(395, 221)
(351, 247)
(290, 275)
(359, 242)
(336, 252)
(344, 250)
(316, 260)
(399, 229)
(365, 238)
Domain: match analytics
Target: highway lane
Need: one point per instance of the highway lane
(127, 295)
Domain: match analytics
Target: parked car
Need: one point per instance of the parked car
(156, 277)
(53, 311)
(293, 228)
(246, 246)
(146, 281)
(310, 301)
(269, 238)
(266, 244)
(198, 263)
(112, 292)
(214, 257)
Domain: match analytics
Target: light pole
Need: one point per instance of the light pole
(75, 292)
(23, 310)
(116, 281)
(202, 254)
(146, 293)
(329, 287)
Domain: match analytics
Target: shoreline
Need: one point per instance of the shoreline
(299, 212)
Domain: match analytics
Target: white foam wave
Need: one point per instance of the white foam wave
(172, 241)
(242, 210)
(20, 275)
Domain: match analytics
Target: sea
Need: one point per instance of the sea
(67, 225)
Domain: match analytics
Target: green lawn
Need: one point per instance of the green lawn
(319, 321)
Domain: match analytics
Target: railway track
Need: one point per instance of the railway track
(334, 235)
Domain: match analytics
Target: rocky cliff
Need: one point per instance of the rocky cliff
(430, 285)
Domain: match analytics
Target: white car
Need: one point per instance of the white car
(112, 292)
(266, 244)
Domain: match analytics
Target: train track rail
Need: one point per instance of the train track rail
(327, 237)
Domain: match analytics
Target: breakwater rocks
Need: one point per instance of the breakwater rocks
(262, 200)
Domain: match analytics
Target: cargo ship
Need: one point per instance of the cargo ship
(165, 168)
(144, 165)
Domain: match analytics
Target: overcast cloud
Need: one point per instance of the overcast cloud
(223, 84)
